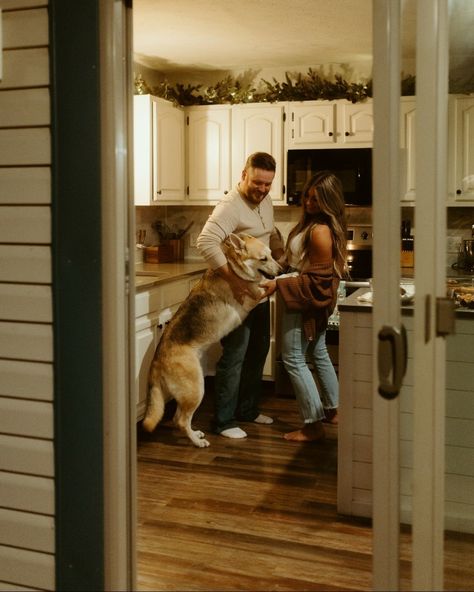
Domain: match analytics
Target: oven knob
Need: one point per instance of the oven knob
(364, 235)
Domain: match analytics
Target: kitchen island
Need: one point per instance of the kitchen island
(355, 411)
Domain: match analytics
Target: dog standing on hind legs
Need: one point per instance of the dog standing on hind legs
(209, 313)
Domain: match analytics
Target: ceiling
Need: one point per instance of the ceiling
(174, 35)
(229, 34)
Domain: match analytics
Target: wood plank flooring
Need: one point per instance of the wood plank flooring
(257, 514)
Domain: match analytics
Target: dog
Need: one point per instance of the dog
(209, 313)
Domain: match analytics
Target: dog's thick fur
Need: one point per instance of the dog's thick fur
(209, 313)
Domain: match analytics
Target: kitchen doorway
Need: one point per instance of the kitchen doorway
(257, 514)
(189, 478)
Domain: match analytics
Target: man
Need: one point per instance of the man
(238, 381)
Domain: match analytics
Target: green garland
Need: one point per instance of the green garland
(296, 87)
(313, 86)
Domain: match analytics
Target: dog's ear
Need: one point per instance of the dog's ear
(237, 243)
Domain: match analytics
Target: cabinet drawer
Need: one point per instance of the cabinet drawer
(163, 296)
(149, 301)
(147, 320)
(174, 292)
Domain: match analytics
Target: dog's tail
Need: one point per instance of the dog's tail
(155, 408)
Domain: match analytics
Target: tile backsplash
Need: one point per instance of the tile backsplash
(459, 223)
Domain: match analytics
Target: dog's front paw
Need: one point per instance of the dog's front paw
(199, 439)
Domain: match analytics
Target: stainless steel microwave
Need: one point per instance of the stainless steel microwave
(353, 167)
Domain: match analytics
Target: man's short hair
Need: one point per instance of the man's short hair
(261, 160)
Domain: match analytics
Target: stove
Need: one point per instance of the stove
(359, 254)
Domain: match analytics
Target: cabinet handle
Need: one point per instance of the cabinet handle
(347, 134)
(226, 192)
(330, 134)
(458, 191)
(392, 360)
(159, 192)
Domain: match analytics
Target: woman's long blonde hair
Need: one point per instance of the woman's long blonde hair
(328, 190)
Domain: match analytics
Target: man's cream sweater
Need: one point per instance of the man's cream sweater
(235, 214)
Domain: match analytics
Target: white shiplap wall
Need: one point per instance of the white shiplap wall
(26, 332)
(355, 423)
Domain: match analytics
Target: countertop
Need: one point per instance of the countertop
(148, 275)
(352, 304)
(451, 273)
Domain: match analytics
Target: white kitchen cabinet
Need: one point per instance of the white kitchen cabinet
(159, 151)
(330, 124)
(407, 149)
(145, 345)
(209, 152)
(258, 127)
(461, 150)
(355, 124)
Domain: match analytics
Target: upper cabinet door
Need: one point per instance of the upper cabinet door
(355, 124)
(461, 152)
(407, 147)
(158, 151)
(168, 152)
(208, 132)
(312, 124)
(142, 150)
(330, 124)
(258, 128)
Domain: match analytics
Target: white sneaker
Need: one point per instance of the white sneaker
(263, 419)
(235, 433)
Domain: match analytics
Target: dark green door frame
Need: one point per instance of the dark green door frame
(77, 293)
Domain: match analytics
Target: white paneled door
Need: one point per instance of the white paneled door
(409, 477)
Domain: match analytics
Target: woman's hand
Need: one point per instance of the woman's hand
(269, 287)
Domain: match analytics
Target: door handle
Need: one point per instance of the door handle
(392, 360)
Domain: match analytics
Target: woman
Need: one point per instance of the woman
(316, 250)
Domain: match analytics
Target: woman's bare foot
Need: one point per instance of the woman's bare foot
(311, 432)
(331, 416)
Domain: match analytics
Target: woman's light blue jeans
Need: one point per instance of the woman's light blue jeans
(296, 351)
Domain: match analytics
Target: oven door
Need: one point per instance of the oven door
(359, 263)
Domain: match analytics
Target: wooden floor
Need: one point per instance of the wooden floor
(257, 514)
